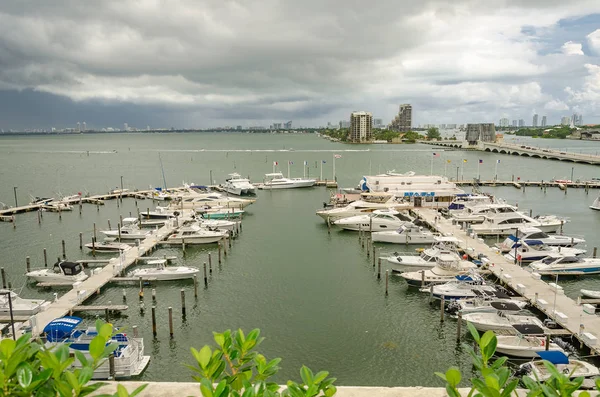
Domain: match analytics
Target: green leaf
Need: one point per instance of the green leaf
(584, 394)
(206, 388)
(307, 375)
(105, 331)
(330, 391)
(221, 389)
(319, 377)
(491, 382)
(97, 347)
(85, 375)
(473, 331)
(453, 376)
(24, 375)
(72, 379)
(204, 356)
(138, 390)
(452, 392)
(7, 346)
(122, 391)
(219, 338)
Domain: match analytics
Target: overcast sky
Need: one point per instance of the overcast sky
(205, 63)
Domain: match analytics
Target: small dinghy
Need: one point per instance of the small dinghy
(588, 293)
(536, 370)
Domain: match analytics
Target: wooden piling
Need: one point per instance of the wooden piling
(195, 285)
(328, 226)
(225, 247)
(154, 321)
(80, 206)
(205, 277)
(45, 258)
(374, 254)
(379, 269)
(368, 248)
(209, 261)
(135, 331)
(229, 241)
(141, 293)
(595, 252)
(387, 277)
(109, 228)
(547, 345)
(442, 308)
(39, 216)
(106, 317)
(64, 251)
(219, 245)
(459, 326)
(359, 234)
(154, 295)
(28, 264)
(3, 277)
(124, 295)
(171, 322)
(111, 366)
(80, 240)
(183, 302)
(119, 230)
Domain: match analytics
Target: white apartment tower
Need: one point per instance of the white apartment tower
(361, 127)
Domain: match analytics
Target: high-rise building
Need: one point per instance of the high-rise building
(503, 122)
(485, 132)
(78, 126)
(377, 123)
(514, 123)
(344, 124)
(577, 119)
(403, 121)
(361, 126)
(565, 120)
(544, 121)
(580, 120)
(535, 120)
(84, 128)
(521, 123)
(288, 125)
(125, 127)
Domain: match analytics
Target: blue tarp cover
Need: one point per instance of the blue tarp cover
(60, 328)
(555, 357)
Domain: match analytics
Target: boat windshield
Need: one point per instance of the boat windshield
(548, 260)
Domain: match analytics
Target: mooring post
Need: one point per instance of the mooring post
(368, 248)
(374, 253)
(183, 302)
(195, 285)
(183, 245)
(442, 308)
(219, 245)
(328, 226)
(39, 216)
(154, 295)
(28, 264)
(106, 317)
(109, 228)
(80, 240)
(595, 252)
(154, 321)
(225, 247)
(387, 277)
(119, 229)
(205, 277)
(547, 346)
(170, 321)
(359, 233)
(111, 365)
(459, 326)
(45, 258)
(124, 295)
(209, 261)
(80, 206)
(141, 293)
(3, 277)
(379, 269)
(135, 331)
(64, 251)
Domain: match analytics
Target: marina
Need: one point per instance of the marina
(284, 249)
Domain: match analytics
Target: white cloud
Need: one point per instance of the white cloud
(588, 97)
(572, 48)
(594, 40)
(556, 105)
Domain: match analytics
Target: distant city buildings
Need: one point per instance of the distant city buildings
(288, 125)
(514, 123)
(565, 120)
(403, 121)
(361, 127)
(521, 123)
(125, 127)
(535, 120)
(84, 127)
(78, 126)
(577, 119)
(344, 124)
(543, 121)
(485, 132)
(239, 127)
(276, 126)
(503, 122)
(377, 123)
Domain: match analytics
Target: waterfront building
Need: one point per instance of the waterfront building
(543, 121)
(288, 125)
(503, 122)
(535, 120)
(514, 122)
(125, 127)
(403, 120)
(78, 126)
(485, 132)
(565, 120)
(521, 123)
(361, 129)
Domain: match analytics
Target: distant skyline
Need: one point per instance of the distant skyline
(189, 64)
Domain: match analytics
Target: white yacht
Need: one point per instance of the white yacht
(159, 213)
(487, 303)
(57, 206)
(20, 306)
(408, 233)
(442, 246)
(276, 180)
(194, 234)
(62, 272)
(219, 224)
(209, 200)
(500, 321)
(160, 272)
(359, 207)
(446, 269)
(537, 370)
(463, 287)
(558, 264)
(239, 186)
(129, 231)
(477, 214)
(524, 346)
(467, 199)
(533, 233)
(387, 219)
(596, 204)
(526, 251)
(108, 246)
(219, 213)
(506, 224)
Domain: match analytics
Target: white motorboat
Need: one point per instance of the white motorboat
(62, 272)
(408, 233)
(358, 207)
(558, 264)
(129, 231)
(378, 220)
(159, 213)
(129, 359)
(20, 306)
(526, 251)
(446, 269)
(523, 346)
(57, 206)
(40, 200)
(217, 224)
(219, 213)
(210, 200)
(537, 370)
(487, 303)
(588, 293)
(160, 272)
(427, 258)
(463, 287)
(193, 234)
(108, 246)
(596, 204)
(239, 186)
(507, 223)
(276, 180)
(533, 233)
(499, 321)
(477, 214)
(468, 199)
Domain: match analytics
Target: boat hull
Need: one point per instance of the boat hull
(400, 238)
(42, 277)
(166, 275)
(292, 185)
(194, 240)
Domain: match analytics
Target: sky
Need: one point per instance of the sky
(210, 63)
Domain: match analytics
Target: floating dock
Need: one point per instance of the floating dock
(547, 297)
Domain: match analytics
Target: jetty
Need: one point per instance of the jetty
(549, 298)
(541, 184)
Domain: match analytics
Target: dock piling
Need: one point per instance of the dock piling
(387, 277)
(109, 228)
(111, 366)
(170, 322)
(183, 302)
(28, 264)
(595, 252)
(225, 247)
(442, 308)
(135, 331)
(328, 226)
(154, 295)
(106, 317)
(64, 251)
(80, 240)
(205, 277)
(219, 245)
(3, 277)
(119, 230)
(141, 293)
(229, 241)
(368, 249)
(124, 295)
(154, 321)
(458, 326)
(39, 216)
(374, 254)
(209, 261)
(379, 269)
(195, 286)
(45, 258)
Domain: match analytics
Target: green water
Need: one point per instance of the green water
(314, 296)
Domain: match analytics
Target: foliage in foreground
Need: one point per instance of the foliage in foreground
(28, 368)
(493, 378)
(235, 369)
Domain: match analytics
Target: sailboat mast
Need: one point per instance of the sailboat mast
(163, 171)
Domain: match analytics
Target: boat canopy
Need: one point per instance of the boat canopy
(554, 356)
(60, 328)
(528, 329)
(505, 306)
(70, 268)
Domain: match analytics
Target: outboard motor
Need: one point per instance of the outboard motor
(453, 307)
(565, 345)
(523, 370)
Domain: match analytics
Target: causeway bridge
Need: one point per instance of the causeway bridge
(520, 150)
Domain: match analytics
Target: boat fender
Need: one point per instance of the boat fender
(543, 342)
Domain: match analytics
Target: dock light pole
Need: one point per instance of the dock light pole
(15, 190)
(121, 184)
(10, 309)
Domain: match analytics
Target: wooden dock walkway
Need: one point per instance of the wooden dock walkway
(551, 301)
(86, 289)
(541, 184)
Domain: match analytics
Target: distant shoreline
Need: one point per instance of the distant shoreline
(22, 133)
